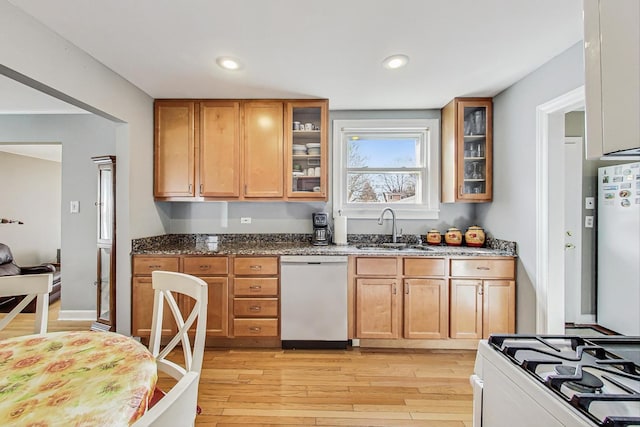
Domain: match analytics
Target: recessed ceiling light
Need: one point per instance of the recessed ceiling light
(395, 61)
(228, 63)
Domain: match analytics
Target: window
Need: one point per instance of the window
(386, 163)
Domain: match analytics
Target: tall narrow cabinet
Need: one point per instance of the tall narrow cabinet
(467, 150)
(106, 244)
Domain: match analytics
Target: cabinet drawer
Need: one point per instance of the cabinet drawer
(202, 265)
(255, 327)
(424, 266)
(376, 266)
(255, 266)
(483, 268)
(258, 286)
(255, 307)
(146, 265)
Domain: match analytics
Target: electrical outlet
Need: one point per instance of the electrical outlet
(589, 203)
(588, 222)
(74, 206)
(245, 220)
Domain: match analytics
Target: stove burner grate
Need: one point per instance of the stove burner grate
(584, 382)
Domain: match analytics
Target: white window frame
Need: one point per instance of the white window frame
(430, 193)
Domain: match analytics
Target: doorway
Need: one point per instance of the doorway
(573, 228)
(550, 199)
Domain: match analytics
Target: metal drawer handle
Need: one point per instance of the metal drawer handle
(255, 329)
(155, 266)
(255, 308)
(255, 287)
(255, 267)
(205, 267)
(483, 268)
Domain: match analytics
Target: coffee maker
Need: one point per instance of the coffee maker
(321, 230)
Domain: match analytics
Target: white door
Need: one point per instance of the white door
(573, 229)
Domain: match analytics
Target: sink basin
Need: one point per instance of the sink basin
(385, 247)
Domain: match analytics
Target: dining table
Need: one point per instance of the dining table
(79, 378)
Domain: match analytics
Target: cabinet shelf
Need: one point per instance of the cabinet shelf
(474, 180)
(475, 158)
(474, 137)
(306, 177)
(306, 156)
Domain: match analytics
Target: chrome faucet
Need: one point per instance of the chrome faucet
(394, 235)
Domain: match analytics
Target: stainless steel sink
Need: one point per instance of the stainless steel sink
(386, 247)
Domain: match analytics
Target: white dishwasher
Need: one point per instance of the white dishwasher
(313, 292)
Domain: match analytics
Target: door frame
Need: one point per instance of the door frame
(549, 228)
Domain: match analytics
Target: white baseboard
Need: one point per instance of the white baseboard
(77, 315)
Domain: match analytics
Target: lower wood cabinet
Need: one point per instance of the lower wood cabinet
(213, 270)
(256, 293)
(435, 304)
(411, 301)
(483, 297)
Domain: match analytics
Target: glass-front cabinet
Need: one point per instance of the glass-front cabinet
(467, 150)
(106, 263)
(306, 149)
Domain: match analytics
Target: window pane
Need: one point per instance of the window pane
(382, 187)
(383, 151)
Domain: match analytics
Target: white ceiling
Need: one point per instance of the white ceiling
(329, 49)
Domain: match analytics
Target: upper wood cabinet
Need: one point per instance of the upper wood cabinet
(263, 149)
(174, 149)
(467, 150)
(219, 149)
(306, 150)
(239, 150)
(197, 149)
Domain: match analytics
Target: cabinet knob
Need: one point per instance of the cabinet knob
(480, 290)
(255, 287)
(255, 267)
(255, 308)
(255, 329)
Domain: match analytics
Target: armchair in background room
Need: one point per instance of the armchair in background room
(8, 267)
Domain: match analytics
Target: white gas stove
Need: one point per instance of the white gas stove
(538, 380)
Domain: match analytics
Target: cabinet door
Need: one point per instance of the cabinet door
(217, 306)
(426, 310)
(499, 307)
(306, 149)
(466, 309)
(376, 308)
(174, 149)
(474, 123)
(220, 149)
(263, 150)
(142, 310)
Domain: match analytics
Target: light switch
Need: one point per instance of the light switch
(74, 206)
(589, 202)
(588, 222)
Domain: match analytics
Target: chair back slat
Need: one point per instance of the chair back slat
(36, 286)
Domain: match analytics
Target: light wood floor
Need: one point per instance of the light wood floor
(358, 387)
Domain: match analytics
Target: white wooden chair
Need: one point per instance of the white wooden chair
(32, 286)
(176, 408)
(169, 286)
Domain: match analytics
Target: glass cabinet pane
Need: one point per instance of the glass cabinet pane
(475, 148)
(104, 282)
(306, 167)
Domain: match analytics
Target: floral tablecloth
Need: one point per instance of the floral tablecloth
(74, 379)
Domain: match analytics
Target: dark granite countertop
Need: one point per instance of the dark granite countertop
(300, 244)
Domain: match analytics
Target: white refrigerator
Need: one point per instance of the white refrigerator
(618, 303)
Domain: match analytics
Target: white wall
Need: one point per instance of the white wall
(34, 54)
(82, 136)
(512, 215)
(31, 192)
